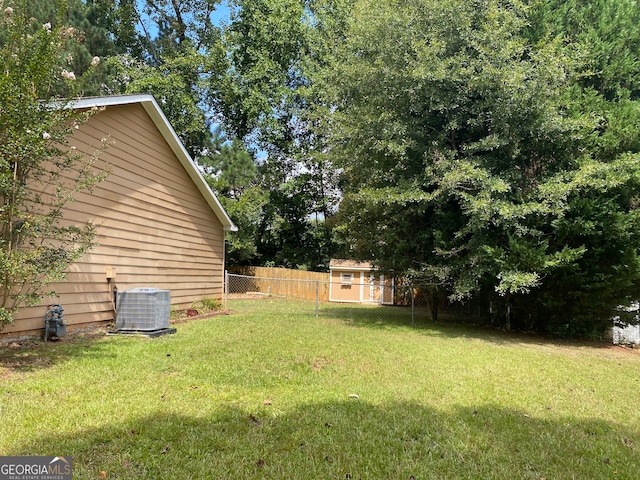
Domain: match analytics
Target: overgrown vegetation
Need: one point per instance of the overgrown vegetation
(270, 392)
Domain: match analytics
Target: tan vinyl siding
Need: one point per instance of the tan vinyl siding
(345, 291)
(156, 228)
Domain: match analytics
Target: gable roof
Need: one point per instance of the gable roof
(149, 103)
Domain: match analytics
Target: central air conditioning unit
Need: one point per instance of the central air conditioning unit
(145, 310)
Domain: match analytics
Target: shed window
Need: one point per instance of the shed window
(346, 278)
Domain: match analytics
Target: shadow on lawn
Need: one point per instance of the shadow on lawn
(390, 317)
(32, 355)
(346, 440)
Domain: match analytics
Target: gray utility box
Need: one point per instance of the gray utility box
(143, 309)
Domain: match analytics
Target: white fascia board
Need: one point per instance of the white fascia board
(351, 269)
(158, 117)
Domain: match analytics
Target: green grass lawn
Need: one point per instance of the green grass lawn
(272, 392)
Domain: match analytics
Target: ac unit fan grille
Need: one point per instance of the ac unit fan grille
(144, 309)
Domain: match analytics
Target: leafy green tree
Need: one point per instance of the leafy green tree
(274, 224)
(171, 50)
(247, 213)
(231, 172)
(602, 212)
(607, 33)
(176, 86)
(231, 169)
(471, 160)
(266, 41)
(122, 20)
(39, 172)
(266, 100)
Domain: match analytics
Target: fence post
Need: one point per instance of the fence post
(226, 290)
(317, 296)
(412, 310)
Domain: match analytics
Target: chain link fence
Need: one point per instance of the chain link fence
(370, 301)
(322, 298)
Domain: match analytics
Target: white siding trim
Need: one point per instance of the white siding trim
(372, 286)
(330, 287)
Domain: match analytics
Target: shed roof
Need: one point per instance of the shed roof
(339, 264)
(149, 103)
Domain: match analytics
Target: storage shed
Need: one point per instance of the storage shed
(358, 282)
(160, 225)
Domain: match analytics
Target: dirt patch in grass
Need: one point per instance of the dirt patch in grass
(31, 354)
(187, 316)
(14, 355)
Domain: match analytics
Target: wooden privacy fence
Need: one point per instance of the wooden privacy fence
(279, 281)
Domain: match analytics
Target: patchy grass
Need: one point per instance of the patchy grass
(272, 392)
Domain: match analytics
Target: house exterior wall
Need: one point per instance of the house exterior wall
(156, 228)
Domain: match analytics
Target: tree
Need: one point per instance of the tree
(173, 51)
(91, 39)
(471, 160)
(176, 84)
(231, 172)
(273, 220)
(39, 172)
(602, 213)
(266, 100)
